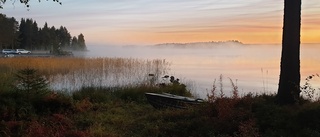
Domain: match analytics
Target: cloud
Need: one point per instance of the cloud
(163, 16)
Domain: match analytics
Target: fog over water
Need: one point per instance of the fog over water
(253, 68)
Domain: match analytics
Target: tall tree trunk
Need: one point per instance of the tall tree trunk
(289, 83)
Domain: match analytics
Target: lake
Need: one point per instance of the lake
(253, 68)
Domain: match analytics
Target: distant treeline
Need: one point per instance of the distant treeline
(200, 44)
(28, 35)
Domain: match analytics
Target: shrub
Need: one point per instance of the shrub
(231, 116)
(134, 94)
(30, 82)
(174, 87)
(53, 103)
(308, 117)
(53, 126)
(94, 95)
(308, 92)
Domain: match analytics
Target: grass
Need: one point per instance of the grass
(71, 74)
(124, 111)
(101, 112)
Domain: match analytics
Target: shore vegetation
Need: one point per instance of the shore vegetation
(30, 107)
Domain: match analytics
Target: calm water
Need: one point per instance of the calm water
(253, 68)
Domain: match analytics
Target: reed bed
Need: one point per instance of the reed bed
(71, 74)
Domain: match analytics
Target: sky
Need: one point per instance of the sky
(126, 22)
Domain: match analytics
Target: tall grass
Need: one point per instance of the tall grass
(231, 115)
(259, 115)
(70, 74)
(126, 112)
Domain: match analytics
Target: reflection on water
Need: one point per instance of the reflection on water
(108, 72)
(254, 68)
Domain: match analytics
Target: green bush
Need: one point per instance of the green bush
(53, 103)
(14, 105)
(134, 94)
(308, 118)
(124, 111)
(29, 81)
(95, 95)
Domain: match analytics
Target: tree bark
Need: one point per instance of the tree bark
(289, 82)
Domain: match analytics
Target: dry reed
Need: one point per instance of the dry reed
(70, 74)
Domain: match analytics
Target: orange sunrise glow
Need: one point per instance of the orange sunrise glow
(153, 22)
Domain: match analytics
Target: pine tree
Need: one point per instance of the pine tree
(44, 34)
(8, 31)
(81, 42)
(74, 43)
(289, 83)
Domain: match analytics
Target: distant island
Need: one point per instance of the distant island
(201, 44)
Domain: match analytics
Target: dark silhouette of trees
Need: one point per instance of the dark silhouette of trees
(78, 43)
(8, 32)
(53, 41)
(64, 37)
(81, 42)
(289, 83)
(28, 35)
(74, 42)
(44, 36)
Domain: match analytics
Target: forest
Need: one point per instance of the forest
(27, 35)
